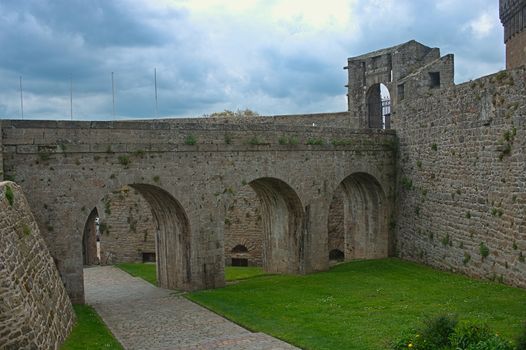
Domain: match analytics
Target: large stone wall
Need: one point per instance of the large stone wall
(189, 172)
(462, 178)
(35, 312)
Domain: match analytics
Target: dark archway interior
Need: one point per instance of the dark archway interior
(336, 255)
(358, 218)
(239, 249)
(89, 240)
(172, 239)
(282, 213)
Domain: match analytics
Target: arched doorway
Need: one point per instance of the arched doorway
(379, 107)
(358, 219)
(283, 236)
(172, 238)
(89, 240)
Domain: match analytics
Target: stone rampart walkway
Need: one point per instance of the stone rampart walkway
(142, 316)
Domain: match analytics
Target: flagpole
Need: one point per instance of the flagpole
(21, 99)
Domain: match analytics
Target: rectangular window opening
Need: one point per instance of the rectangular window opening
(434, 81)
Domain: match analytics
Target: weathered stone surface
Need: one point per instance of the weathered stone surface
(189, 172)
(462, 178)
(35, 312)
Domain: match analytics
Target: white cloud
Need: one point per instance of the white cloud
(483, 25)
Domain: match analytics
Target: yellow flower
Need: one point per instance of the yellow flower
(410, 345)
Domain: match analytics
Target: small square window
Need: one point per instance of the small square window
(434, 79)
(401, 92)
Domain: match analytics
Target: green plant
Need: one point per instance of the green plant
(445, 240)
(9, 195)
(190, 140)
(228, 139)
(407, 183)
(317, 142)
(484, 250)
(107, 207)
(26, 229)
(493, 342)
(283, 140)
(113, 176)
(434, 147)
(139, 153)
(468, 334)
(293, 140)
(515, 247)
(255, 141)
(342, 142)
(124, 160)
(436, 331)
(109, 150)
(521, 257)
(468, 215)
(156, 179)
(419, 164)
(467, 258)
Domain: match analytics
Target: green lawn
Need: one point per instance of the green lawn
(240, 273)
(147, 272)
(89, 332)
(363, 304)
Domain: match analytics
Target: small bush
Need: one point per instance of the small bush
(190, 140)
(9, 195)
(484, 250)
(124, 160)
(434, 147)
(255, 141)
(437, 330)
(317, 142)
(492, 343)
(26, 229)
(469, 334)
(407, 183)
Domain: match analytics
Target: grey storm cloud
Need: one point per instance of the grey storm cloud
(224, 62)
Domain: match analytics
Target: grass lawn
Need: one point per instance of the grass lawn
(363, 304)
(89, 332)
(147, 272)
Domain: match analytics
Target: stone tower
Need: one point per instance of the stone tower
(513, 18)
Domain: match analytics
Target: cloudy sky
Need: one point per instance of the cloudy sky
(272, 56)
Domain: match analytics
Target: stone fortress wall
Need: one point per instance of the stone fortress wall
(35, 312)
(462, 177)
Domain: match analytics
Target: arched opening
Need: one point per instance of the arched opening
(360, 212)
(283, 236)
(336, 255)
(240, 249)
(172, 235)
(244, 229)
(379, 107)
(90, 254)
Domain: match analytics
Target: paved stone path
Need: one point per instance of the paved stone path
(142, 316)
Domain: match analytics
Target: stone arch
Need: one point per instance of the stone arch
(240, 248)
(172, 241)
(364, 209)
(89, 239)
(283, 226)
(378, 106)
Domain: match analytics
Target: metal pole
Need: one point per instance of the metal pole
(21, 100)
(156, 102)
(71, 96)
(113, 94)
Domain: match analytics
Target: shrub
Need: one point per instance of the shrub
(468, 334)
(317, 142)
(484, 250)
(9, 195)
(492, 343)
(190, 140)
(437, 330)
(124, 160)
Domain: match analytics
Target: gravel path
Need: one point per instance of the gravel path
(142, 316)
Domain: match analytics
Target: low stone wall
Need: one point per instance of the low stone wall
(462, 178)
(35, 312)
